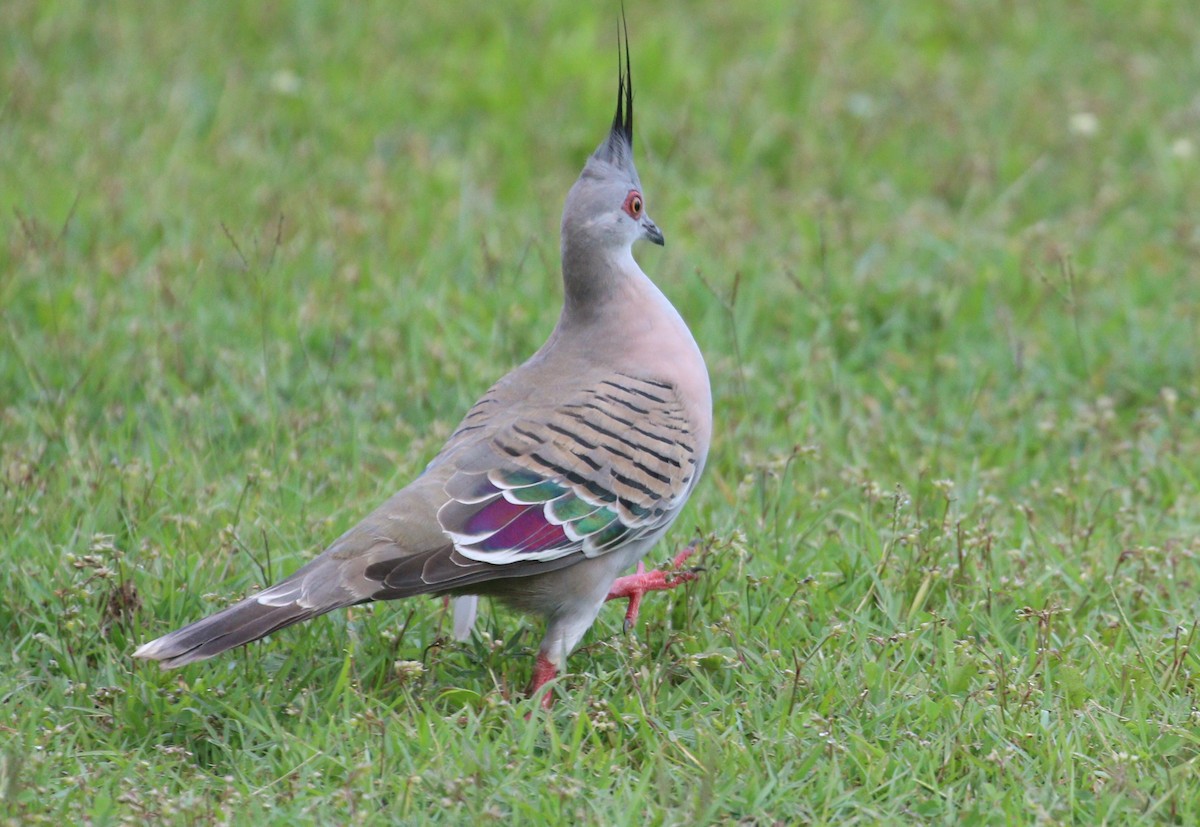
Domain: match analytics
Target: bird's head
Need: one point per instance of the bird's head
(606, 210)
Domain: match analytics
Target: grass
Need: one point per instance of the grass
(256, 262)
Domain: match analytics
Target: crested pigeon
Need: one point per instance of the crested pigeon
(562, 476)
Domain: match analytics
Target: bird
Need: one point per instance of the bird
(559, 479)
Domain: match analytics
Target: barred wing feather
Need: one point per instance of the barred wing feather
(611, 466)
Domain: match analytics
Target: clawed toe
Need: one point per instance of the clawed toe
(634, 587)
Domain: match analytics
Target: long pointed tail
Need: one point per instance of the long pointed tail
(241, 623)
(353, 570)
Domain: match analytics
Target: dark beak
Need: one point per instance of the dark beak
(652, 232)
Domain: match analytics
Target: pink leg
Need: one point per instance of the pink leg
(634, 586)
(543, 672)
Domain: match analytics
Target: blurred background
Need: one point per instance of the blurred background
(257, 259)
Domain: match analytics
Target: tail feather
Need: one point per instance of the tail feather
(241, 623)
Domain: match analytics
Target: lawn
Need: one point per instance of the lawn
(943, 260)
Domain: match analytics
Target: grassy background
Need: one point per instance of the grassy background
(942, 258)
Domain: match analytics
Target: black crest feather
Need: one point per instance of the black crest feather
(617, 147)
(623, 121)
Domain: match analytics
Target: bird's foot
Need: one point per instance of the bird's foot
(633, 587)
(543, 672)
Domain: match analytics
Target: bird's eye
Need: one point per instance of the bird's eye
(633, 204)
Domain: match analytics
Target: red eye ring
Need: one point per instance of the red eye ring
(633, 204)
